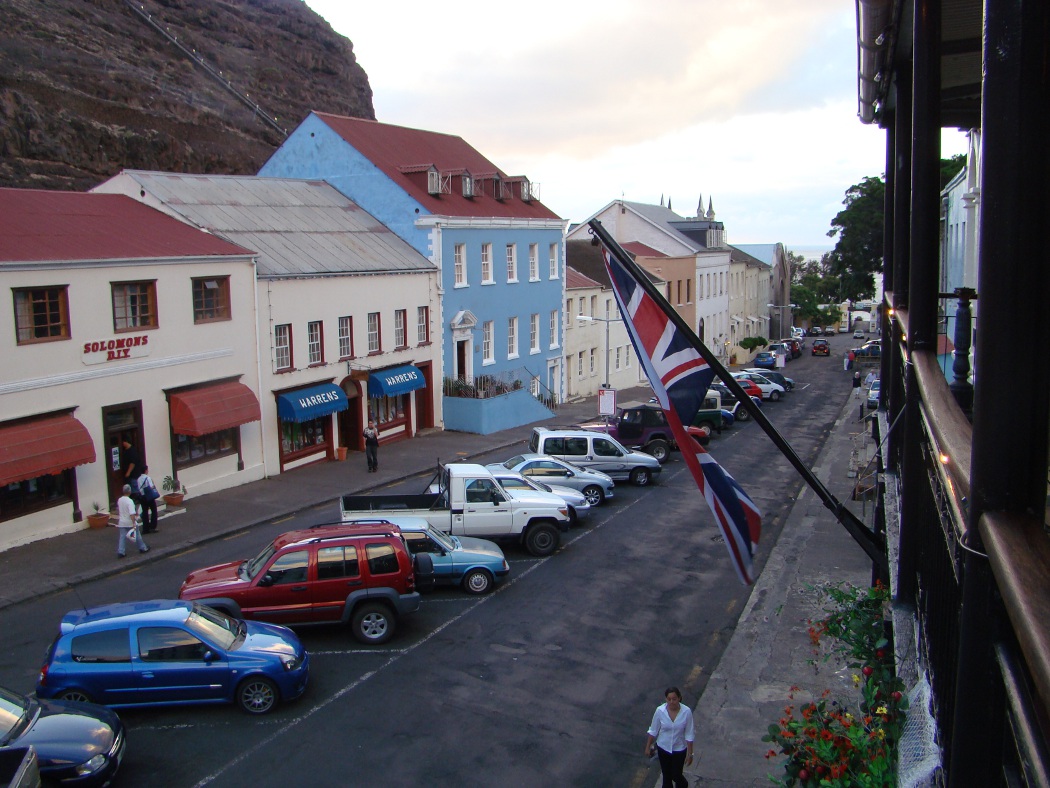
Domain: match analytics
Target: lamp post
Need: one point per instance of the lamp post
(780, 320)
(607, 321)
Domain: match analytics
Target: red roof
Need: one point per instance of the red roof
(574, 280)
(405, 154)
(638, 249)
(213, 408)
(40, 225)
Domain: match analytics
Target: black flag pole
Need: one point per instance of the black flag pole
(872, 544)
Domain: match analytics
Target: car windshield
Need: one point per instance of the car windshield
(13, 709)
(215, 627)
(513, 462)
(256, 564)
(440, 537)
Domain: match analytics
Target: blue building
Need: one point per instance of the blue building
(500, 252)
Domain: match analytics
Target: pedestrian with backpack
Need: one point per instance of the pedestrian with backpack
(148, 495)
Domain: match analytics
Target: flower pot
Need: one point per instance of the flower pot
(173, 499)
(341, 453)
(98, 519)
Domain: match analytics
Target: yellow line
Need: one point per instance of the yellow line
(284, 520)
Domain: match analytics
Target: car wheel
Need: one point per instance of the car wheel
(594, 495)
(257, 695)
(742, 414)
(477, 581)
(542, 539)
(659, 449)
(640, 477)
(75, 696)
(774, 396)
(574, 519)
(373, 623)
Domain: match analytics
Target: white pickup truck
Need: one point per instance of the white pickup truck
(470, 502)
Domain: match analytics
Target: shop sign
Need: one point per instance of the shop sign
(103, 350)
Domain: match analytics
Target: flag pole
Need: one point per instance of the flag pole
(873, 544)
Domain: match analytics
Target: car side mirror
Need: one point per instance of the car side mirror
(209, 656)
(266, 580)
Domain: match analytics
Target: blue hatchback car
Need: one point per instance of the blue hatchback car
(172, 652)
(766, 359)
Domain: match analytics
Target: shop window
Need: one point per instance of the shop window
(31, 495)
(41, 314)
(387, 411)
(134, 305)
(211, 299)
(304, 436)
(191, 450)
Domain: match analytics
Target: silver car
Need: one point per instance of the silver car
(577, 502)
(595, 485)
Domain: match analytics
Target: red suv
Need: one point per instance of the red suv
(359, 574)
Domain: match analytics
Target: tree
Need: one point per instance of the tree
(858, 253)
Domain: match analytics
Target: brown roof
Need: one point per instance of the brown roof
(574, 280)
(638, 249)
(37, 226)
(587, 260)
(399, 152)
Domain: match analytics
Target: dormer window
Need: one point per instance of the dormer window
(526, 190)
(499, 188)
(468, 184)
(438, 182)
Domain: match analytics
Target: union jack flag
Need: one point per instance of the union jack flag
(680, 377)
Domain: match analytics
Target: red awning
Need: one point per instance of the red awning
(43, 446)
(213, 408)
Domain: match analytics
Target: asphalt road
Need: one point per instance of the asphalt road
(552, 679)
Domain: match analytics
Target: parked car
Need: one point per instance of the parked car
(734, 405)
(794, 346)
(765, 359)
(749, 387)
(820, 348)
(639, 425)
(169, 652)
(859, 334)
(770, 390)
(77, 744)
(829, 331)
(816, 331)
(843, 328)
(776, 377)
(362, 575)
(873, 394)
(476, 565)
(579, 507)
(780, 349)
(596, 486)
(596, 451)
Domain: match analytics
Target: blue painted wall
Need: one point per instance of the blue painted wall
(485, 416)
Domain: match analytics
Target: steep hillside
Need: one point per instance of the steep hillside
(88, 87)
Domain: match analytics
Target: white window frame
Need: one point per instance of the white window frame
(554, 329)
(512, 262)
(486, 265)
(375, 344)
(594, 361)
(486, 343)
(553, 262)
(282, 346)
(534, 262)
(534, 333)
(422, 325)
(579, 366)
(512, 337)
(400, 328)
(314, 351)
(459, 255)
(346, 337)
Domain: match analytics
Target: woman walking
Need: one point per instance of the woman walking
(672, 733)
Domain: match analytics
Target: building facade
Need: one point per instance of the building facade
(125, 325)
(499, 250)
(346, 309)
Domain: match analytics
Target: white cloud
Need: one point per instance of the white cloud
(752, 102)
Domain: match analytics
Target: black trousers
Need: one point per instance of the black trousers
(149, 516)
(372, 455)
(671, 765)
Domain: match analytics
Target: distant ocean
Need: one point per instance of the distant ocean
(810, 252)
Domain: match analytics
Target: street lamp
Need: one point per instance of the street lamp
(607, 321)
(780, 321)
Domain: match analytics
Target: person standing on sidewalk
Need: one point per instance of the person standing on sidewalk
(672, 733)
(148, 495)
(371, 446)
(127, 519)
(857, 381)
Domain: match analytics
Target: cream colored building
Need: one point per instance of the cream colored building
(124, 323)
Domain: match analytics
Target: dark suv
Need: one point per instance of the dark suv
(363, 575)
(641, 425)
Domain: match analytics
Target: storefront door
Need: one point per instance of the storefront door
(121, 422)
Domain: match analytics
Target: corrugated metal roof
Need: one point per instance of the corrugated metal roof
(44, 226)
(392, 147)
(297, 227)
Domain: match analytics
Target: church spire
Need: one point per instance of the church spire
(710, 208)
(700, 207)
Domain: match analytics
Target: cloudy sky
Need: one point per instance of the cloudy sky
(751, 103)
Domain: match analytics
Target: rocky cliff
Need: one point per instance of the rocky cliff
(90, 87)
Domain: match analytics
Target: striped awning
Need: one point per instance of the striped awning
(41, 447)
(213, 408)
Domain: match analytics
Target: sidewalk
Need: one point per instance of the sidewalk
(51, 565)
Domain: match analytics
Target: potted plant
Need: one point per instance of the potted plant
(99, 518)
(174, 490)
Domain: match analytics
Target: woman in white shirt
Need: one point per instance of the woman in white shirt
(127, 517)
(672, 733)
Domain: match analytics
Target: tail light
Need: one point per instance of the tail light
(42, 679)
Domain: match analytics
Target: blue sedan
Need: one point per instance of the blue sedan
(172, 652)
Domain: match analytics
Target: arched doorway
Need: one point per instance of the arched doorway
(350, 420)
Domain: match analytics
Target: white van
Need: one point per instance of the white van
(596, 451)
